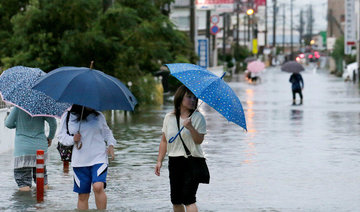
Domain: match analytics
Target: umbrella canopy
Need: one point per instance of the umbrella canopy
(250, 59)
(87, 87)
(211, 89)
(15, 88)
(292, 67)
(256, 66)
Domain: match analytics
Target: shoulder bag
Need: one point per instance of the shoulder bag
(197, 165)
(66, 151)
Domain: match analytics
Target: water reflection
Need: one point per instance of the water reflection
(19, 199)
(296, 114)
(286, 156)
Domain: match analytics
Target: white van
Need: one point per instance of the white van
(350, 71)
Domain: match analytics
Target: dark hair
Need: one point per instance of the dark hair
(76, 110)
(178, 98)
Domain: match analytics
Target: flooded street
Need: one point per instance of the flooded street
(293, 158)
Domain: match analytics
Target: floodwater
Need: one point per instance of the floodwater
(293, 158)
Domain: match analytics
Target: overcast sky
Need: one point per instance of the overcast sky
(319, 12)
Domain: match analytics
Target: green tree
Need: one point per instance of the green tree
(8, 9)
(127, 39)
(339, 55)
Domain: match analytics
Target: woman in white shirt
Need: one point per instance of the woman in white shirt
(182, 185)
(90, 153)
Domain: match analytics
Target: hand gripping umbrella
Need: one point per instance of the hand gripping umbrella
(210, 89)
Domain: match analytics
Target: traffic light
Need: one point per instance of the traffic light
(250, 11)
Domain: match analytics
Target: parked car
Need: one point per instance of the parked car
(350, 72)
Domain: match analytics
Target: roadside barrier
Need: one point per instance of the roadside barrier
(40, 169)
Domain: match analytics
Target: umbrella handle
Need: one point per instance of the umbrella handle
(172, 139)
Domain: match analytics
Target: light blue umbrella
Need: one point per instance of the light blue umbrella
(15, 88)
(211, 89)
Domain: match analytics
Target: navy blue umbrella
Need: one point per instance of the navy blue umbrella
(87, 87)
(15, 88)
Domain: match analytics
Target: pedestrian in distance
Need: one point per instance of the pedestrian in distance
(183, 187)
(92, 144)
(255, 78)
(29, 137)
(297, 85)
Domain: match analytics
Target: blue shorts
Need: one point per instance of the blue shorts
(84, 177)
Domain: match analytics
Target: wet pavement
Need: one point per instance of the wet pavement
(293, 158)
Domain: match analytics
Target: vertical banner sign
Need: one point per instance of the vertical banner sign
(254, 46)
(350, 26)
(203, 52)
(260, 15)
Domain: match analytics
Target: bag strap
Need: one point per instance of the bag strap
(67, 123)
(188, 153)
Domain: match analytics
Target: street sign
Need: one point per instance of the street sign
(217, 5)
(203, 53)
(214, 30)
(214, 19)
(350, 26)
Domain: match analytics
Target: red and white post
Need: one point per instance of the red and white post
(40, 169)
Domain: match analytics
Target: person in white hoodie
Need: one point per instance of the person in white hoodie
(92, 144)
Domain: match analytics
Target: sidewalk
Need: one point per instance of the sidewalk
(217, 70)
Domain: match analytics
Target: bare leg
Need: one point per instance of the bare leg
(66, 166)
(83, 201)
(178, 208)
(100, 196)
(25, 188)
(191, 208)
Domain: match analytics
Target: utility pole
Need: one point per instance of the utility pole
(266, 26)
(330, 21)
(245, 33)
(274, 23)
(310, 23)
(237, 25)
(208, 35)
(248, 28)
(301, 27)
(358, 46)
(283, 31)
(237, 65)
(224, 34)
(192, 23)
(291, 30)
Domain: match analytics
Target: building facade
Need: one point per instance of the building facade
(336, 18)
